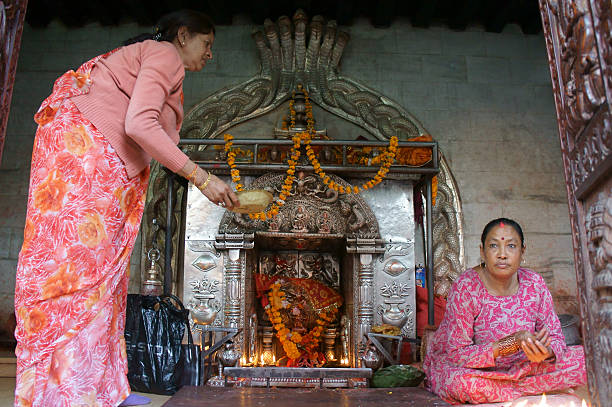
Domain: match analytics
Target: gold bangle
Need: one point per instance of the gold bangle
(191, 176)
(508, 346)
(205, 184)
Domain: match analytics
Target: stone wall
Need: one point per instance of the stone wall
(485, 97)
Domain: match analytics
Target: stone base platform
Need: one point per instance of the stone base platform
(301, 397)
(288, 382)
(292, 377)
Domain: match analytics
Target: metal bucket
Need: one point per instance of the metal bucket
(569, 326)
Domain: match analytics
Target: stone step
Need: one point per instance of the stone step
(8, 364)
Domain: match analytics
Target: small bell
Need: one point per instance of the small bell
(153, 285)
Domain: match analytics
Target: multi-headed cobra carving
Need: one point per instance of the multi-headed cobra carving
(287, 61)
(296, 52)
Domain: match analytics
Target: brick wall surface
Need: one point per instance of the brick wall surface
(486, 98)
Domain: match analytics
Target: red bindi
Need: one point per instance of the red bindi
(502, 238)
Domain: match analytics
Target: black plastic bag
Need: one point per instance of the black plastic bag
(189, 370)
(154, 329)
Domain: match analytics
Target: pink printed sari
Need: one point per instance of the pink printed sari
(83, 216)
(459, 364)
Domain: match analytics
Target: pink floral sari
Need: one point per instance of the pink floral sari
(83, 216)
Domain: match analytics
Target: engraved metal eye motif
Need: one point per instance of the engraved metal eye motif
(204, 262)
(394, 268)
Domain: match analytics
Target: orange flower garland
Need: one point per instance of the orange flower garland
(291, 340)
(386, 159)
(231, 161)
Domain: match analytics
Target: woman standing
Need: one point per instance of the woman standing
(97, 133)
(500, 337)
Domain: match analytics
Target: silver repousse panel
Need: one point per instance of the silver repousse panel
(392, 203)
(203, 216)
(203, 263)
(394, 292)
(194, 277)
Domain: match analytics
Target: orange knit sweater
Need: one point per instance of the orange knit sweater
(135, 100)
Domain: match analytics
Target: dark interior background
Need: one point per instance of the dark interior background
(493, 15)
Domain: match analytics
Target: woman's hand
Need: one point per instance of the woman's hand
(536, 347)
(523, 335)
(219, 193)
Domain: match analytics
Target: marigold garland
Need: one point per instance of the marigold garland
(290, 340)
(231, 161)
(286, 188)
(386, 159)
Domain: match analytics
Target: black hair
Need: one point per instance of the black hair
(505, 221)
(167, 27)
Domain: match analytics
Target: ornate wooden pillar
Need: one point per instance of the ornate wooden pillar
(578, 40)
(12, 14)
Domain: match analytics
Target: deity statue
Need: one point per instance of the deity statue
(329, 272)
(300, 220)
(324, 223)
(253, 336)
(275, 223)
(345, 326)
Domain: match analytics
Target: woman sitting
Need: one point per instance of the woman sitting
(500, 338)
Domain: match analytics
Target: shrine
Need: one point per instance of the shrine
(336, 254)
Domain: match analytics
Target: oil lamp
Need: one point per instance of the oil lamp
(268, 358)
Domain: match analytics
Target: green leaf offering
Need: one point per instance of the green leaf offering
(397, 376)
